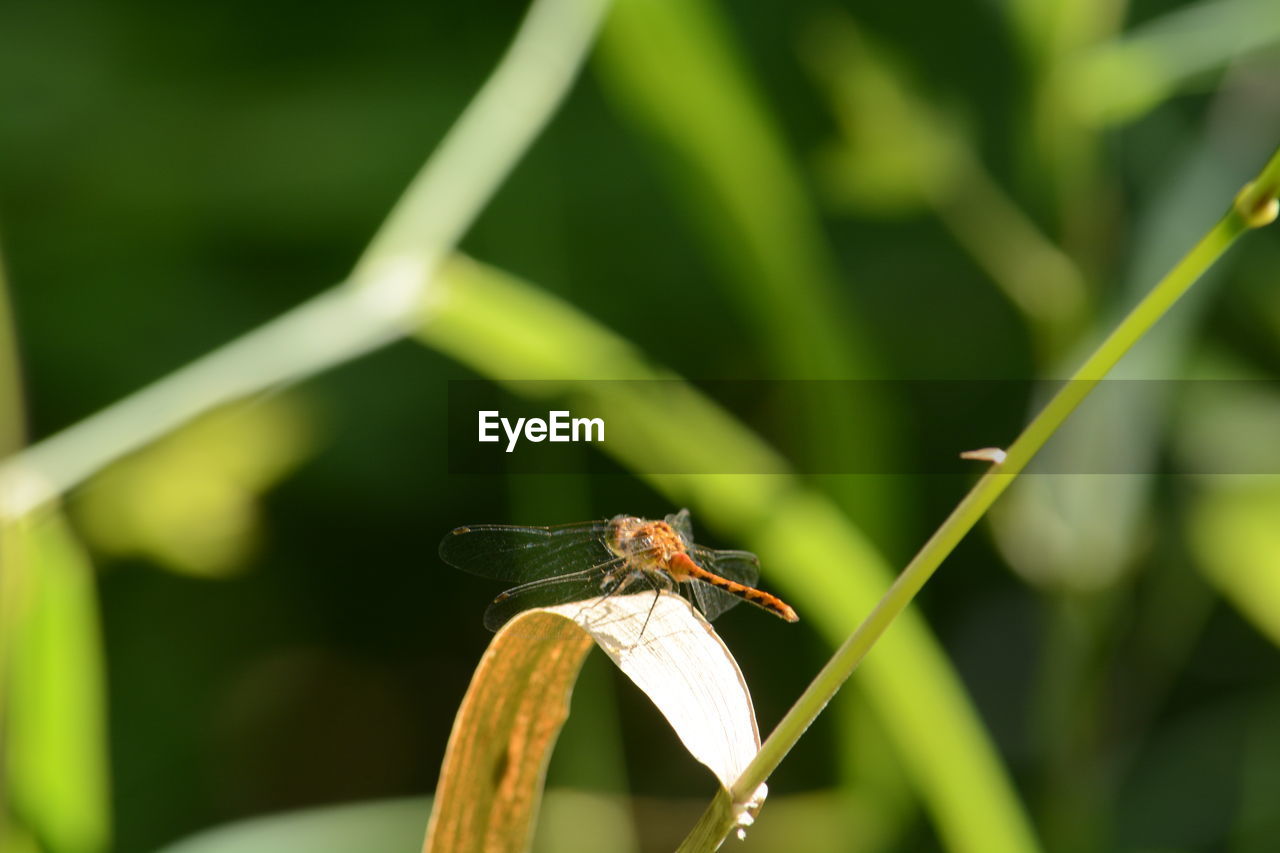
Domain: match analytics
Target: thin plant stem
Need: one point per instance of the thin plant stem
(1255, 206)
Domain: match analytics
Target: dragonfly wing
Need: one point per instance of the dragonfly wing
(522, 554)
(586, 586)
(740, 566)
(682, 524)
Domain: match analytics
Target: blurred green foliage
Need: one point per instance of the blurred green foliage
(190, 502)
(276, 629)
(55, 754)
(1235, 536)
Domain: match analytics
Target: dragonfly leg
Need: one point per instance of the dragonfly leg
(657, 593)
(611, 584)
(659, 581)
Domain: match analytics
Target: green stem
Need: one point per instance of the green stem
(1254, 207)
(488, 140)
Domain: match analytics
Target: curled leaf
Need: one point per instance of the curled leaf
(495, 765)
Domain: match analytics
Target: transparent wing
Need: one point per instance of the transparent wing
(586, 585)
(740, 566)
(682, 524)
(522, 554)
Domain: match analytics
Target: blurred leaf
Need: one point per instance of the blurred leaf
(582, 822)
(572, 822)
(1183, 789)
(190, 501)
(1124, 79)
(822, 821)
(1061, 153)
(16, 839)
(56, 756)
(491, 781)
(896, 152)
(1227, 421)
(675, 70)
(384, 826)
(1234, 531)
(818, 822)
(1050, 30)
(1257, 819)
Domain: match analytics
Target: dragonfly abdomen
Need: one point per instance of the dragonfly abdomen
(682, 568)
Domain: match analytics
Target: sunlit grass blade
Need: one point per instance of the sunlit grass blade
(55, 756)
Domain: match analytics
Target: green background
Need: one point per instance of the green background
(173, 176)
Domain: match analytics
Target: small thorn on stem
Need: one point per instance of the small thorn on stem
(993, 455)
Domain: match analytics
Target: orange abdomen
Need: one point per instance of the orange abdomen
(682, 568)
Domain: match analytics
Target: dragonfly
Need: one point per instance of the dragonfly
(596, 559)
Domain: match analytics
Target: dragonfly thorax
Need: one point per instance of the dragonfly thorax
(645, 545)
